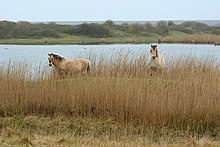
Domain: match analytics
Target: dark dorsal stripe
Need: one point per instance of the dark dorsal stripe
(57, 57)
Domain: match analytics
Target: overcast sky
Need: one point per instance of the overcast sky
(102, 10)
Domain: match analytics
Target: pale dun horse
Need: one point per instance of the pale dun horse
(65, 66)
(156, 60)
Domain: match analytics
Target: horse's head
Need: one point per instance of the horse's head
(50, 59)
(154, 51)
(53, 59)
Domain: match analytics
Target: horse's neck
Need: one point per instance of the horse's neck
(157, 59)
(159, 56)
(57, 63)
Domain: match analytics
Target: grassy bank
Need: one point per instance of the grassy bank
(81, 40)
(175, 37)
(120, 102)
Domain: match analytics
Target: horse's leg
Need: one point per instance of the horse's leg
(67, 73)
(72, 74)
(55, 73)
(62, 74)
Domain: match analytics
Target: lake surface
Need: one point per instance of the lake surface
(37, 54)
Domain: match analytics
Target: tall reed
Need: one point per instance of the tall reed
(120, 87)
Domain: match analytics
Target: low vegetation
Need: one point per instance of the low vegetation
(199, 38)
(52, 33)
(121, 102)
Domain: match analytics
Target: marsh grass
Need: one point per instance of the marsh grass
(67, 39)
(194, 38)
(121, 85)
(78, 131)
(185, 96)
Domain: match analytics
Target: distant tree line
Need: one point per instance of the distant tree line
(24, 29)
(92, 30)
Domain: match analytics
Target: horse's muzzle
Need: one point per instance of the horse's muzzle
(50, 64)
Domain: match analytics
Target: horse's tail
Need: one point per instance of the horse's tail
(88, 67)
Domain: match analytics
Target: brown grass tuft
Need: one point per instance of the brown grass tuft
(26, 141)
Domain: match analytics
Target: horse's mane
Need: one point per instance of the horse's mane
(57, 57)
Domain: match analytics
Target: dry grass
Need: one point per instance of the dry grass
(78, 131)
(198, 38)
(182, 100)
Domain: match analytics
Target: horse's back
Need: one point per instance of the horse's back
(85, 63)
(80, 64)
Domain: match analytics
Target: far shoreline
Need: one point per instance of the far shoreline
(95, 41)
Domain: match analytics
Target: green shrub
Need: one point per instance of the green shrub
(92, 30)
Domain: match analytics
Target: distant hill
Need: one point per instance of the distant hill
(208, 22)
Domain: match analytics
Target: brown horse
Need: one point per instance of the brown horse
(63, 65)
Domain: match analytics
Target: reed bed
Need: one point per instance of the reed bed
(121, 102)
(119, 88)
(198, 38)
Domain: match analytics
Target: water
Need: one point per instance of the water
(37, 54)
